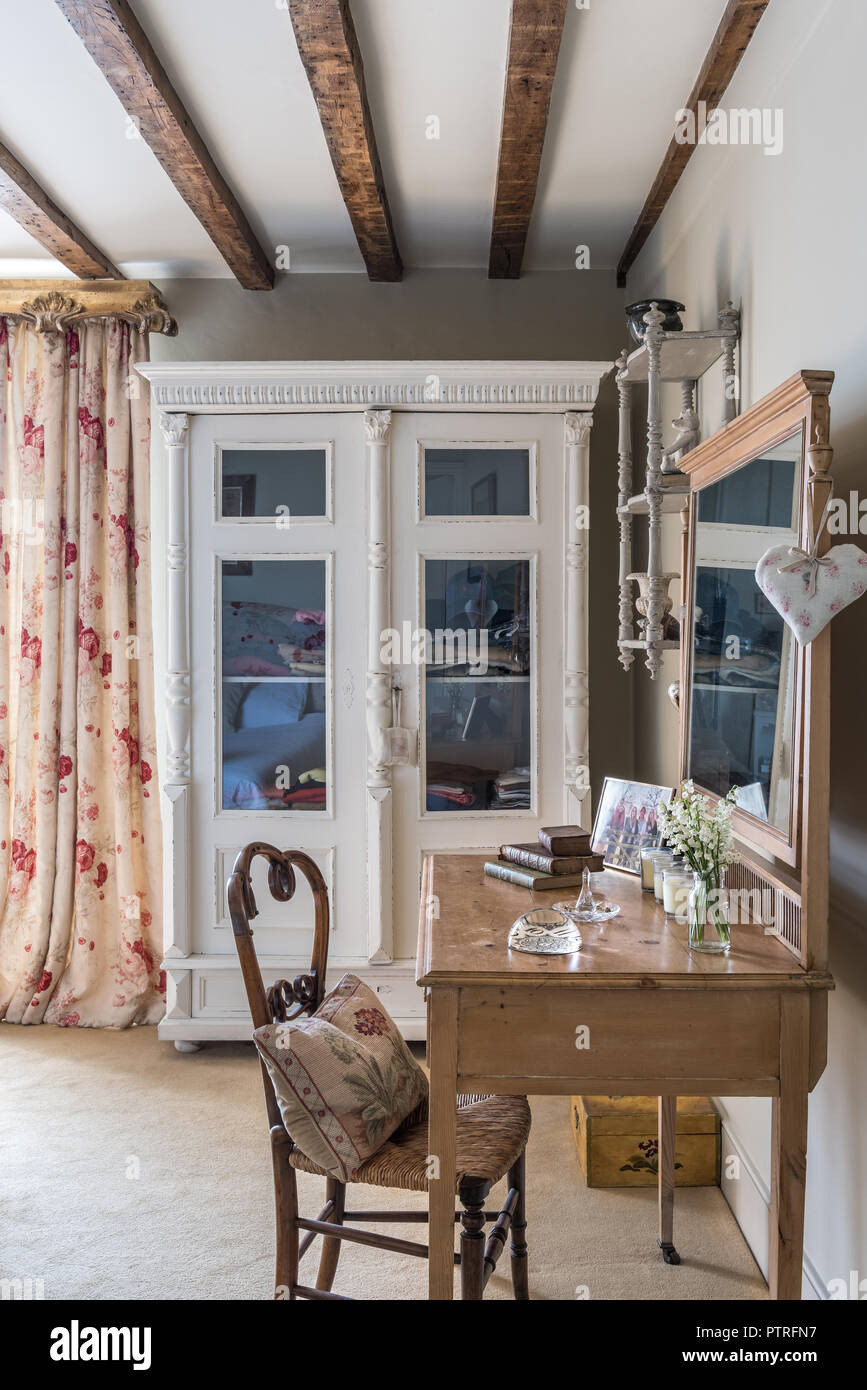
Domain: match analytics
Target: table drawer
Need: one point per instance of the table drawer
(551, 1033)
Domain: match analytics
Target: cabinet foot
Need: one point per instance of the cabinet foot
(181, 1045)
(669, 1254)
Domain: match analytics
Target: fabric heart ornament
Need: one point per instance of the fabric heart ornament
(806, 589)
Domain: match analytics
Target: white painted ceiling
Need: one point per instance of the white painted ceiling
(625, 67)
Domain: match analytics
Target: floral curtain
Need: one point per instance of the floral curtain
(79, 819)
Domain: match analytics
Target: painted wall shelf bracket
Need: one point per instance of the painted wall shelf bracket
(681, 357)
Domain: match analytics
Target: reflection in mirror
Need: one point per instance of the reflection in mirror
(743, 663)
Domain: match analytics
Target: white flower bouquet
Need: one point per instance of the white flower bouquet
(702, 833)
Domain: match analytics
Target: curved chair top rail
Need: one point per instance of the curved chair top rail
(284, 1001)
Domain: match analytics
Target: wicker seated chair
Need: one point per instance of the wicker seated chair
(491, 1130)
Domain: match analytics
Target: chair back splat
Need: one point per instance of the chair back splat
(284, 1001)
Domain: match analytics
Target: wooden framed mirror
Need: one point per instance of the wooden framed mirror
(753, 703)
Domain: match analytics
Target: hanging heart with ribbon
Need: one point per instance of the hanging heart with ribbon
(808, 589)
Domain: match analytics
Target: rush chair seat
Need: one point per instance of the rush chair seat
(492, 1131)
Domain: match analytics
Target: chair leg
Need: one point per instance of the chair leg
(472, 1193)
(518, 1246)
(335, 1192)
(286, 1212)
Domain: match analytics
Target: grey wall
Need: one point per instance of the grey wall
(444, 315)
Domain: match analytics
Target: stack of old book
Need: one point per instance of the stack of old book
(557, 860)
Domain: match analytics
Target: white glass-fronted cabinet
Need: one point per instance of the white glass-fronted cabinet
(328, 571)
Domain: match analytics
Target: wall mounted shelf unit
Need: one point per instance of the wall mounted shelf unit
(681, 357)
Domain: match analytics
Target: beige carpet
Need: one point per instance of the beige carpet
(130, 1171)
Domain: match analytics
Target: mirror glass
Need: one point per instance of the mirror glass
(742, 696)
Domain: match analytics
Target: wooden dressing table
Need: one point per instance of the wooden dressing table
(636, 1012)
(659, 1020)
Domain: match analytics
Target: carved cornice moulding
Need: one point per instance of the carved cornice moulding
(55, 306)
(234, 387)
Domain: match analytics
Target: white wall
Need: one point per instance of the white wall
(785, 236)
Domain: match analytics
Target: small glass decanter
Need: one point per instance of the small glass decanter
(586, 907)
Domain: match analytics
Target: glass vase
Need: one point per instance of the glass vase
(708, 913)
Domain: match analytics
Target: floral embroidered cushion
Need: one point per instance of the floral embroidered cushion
(344, 1078)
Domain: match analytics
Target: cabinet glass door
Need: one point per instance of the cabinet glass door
(273, 653)
(478, 685)
(478, 544)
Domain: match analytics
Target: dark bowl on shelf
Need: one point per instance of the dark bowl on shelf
(672, 309)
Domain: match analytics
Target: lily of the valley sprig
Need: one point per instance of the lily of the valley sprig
(700, 830)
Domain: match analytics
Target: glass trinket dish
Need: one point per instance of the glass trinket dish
(545, 931)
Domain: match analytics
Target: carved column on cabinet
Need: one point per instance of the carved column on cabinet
(176, 788)
(377, 428)
(576, 690)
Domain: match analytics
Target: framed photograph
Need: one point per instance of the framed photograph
(627, 822)
(239, 494)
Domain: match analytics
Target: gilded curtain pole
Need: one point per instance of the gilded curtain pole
(55, 305)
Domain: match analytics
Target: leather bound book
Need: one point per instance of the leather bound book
(534, 857)
(564, 839)
(534, 880)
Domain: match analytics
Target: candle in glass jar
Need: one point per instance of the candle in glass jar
(676, 886)
(660, 864)
(647, 858)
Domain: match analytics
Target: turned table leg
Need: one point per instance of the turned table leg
(789, 1151)
(665, 1158)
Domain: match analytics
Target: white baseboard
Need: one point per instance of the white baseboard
(749, 1199)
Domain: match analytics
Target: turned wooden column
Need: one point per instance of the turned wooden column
(626, 611)
(656, 586)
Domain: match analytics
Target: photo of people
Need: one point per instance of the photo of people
(627, 822)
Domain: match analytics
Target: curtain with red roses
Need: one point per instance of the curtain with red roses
(79, 820)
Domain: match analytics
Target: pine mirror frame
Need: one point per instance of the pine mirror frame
(801, 402)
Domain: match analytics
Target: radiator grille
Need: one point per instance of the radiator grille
(778, 908)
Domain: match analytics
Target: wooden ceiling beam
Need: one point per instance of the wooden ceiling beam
(534, 44)
(27, 202)
(730, 42)
(122, 51)
(331, 56)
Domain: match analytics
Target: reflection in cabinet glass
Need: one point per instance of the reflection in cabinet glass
(267, 483)
(478, 686)
(478, 480)
(273, 656)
